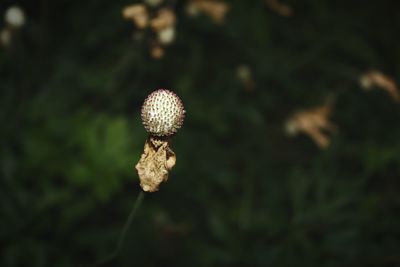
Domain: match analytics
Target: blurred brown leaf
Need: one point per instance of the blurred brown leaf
(155, 163)
(376, 78)
(280, 8)
(215, 9)
(313, 122)
(164, 19)
(138, 14)
(156, 51)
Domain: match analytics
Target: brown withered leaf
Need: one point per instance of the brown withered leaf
(155, 163)
(164, 19)
(138, 14)
(376, 78)
(5, 37)
(314, 123)
(215, 9)
(157, 51)
(280, 8)
(245, 76)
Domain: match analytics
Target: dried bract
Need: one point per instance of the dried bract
(155, 163)
(153, 3)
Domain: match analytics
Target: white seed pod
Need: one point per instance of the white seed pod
(162, 113)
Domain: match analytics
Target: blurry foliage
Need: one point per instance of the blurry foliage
(242, 193)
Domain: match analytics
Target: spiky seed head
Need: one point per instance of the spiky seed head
(162, 113)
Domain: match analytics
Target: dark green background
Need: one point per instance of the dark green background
(242, 192)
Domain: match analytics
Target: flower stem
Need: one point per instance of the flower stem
(124, 231)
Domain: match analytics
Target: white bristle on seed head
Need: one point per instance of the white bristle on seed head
(162, 113)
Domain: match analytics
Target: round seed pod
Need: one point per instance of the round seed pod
(162, 113)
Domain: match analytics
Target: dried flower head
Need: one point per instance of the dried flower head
(155, 163)
(162, 116)
(5, 37)
(162, 113)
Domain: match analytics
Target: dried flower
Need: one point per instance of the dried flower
(162, 115)
(155, 163)
(376, 78)
(138, 14)
(5, 37)
(314, 123)
(153, 3)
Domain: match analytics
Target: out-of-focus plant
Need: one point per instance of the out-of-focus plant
(376, 78)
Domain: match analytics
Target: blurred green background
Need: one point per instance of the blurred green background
(243, 193)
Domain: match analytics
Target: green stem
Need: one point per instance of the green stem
(124, 231)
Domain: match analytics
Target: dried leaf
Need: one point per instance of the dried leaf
(314, 123)
(5, 37)
(155, 163)
(376, 78)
